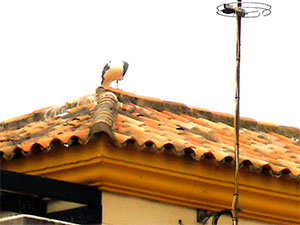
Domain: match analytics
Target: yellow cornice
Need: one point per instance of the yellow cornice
(166, 178)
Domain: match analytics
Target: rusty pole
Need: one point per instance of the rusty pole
(235, 206)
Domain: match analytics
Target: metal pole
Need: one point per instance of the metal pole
(237, 120)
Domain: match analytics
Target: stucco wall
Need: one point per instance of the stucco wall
(125, 210)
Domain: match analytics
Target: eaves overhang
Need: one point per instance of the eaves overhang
(165, 177)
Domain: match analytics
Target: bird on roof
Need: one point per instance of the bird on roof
(113, 71)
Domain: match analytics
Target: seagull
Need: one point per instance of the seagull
(113, 71)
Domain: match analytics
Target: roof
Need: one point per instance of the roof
(155, 125)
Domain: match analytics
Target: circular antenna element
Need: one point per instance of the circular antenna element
(247, 9)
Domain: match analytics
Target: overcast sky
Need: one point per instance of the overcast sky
(54, 51)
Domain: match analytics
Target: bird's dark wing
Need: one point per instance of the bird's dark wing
(125, 67)
(105, 68)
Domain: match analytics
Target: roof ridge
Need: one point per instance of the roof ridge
(179, 108)
(105, 115)
(157, 104)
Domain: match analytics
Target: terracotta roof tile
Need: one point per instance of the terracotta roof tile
(157, 125)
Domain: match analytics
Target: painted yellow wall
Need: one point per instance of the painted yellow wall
(127, 210)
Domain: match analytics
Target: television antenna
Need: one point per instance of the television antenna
(240, 10)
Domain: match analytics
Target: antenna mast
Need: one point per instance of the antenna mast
(240, 10)
(237, 118)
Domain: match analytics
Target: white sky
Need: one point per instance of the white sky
(54, 51)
